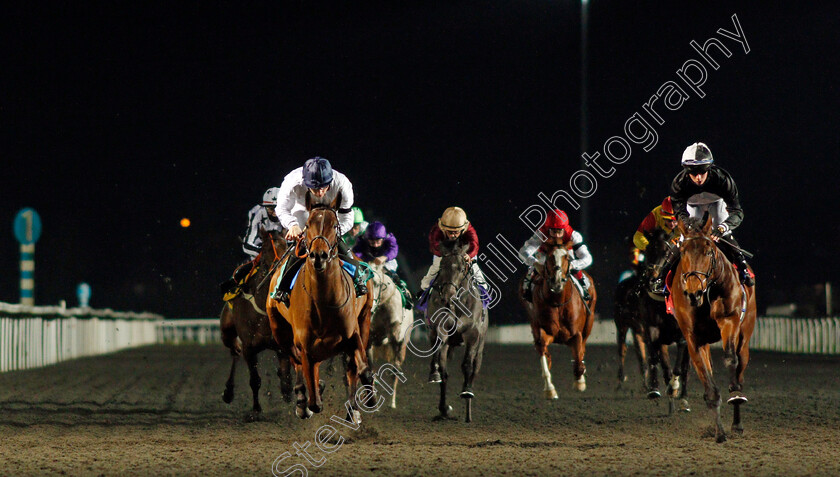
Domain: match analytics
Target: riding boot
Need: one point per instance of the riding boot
(359, 280)
(526, 285)
(408, 300)
(658, 285)
(284, 284)
(581, 278)
(733, 252)
(238, 275)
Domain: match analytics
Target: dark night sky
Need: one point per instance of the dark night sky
(120, 118)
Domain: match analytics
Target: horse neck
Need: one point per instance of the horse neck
(326, 286)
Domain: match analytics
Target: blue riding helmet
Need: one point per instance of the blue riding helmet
(376, 230)
(317, 173)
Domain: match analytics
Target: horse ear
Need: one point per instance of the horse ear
(707, 223)
(682, 227)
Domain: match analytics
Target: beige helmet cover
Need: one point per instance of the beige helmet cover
(453, 219)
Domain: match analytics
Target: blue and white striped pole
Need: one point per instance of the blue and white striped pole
(27, 228)
(27, 274)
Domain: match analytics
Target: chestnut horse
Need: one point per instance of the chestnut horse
(710, 305)
(325, 318)
(559, 315)
(244, 323)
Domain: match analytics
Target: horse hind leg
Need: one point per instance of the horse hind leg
(284, 372)
(652, 374)
(622, 353)
(579, 367)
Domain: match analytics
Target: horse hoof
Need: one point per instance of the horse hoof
(321, 386)
(655, 394)
(253, 416)
(467, 394)
(356, 416)
(434, 378)
(738, 430)
(580, 385)
(720, 438)
(303, 412)
(228, 396)
(550, 394)
(736, 399)
(684, 407)
(316, 408)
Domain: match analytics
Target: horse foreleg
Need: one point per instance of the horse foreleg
(255, 381)
(300, 394)
(442, 357)
(399, 348)
(622, 352)
(729, 334)
(701, 358)
(470, 367)
(744, 358)
(652, 375)
(579, 367)
(643, 355)
(310, 374)
(227, 396)
(541, 343)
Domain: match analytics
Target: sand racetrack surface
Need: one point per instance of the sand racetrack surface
(158, 411)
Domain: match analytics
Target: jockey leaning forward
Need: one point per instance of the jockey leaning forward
(704, 187)
(261, 216)
(379, 247)
(322, 184)
(453, 225)
(556, 229)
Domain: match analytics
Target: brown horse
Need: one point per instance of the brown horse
(244, 323)
(559, 314)
(711, 305)
(625, 316)
(325, 318)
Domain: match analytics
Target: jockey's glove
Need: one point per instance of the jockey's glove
(530, 260)
(720, 231)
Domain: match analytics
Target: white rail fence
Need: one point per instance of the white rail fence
(31, 337)
(34, 336)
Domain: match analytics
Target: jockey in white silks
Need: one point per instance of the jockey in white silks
(261, 216)
(556, 228)
(322, 184)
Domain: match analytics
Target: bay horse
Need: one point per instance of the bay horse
(456, 316)
(244, 324)
(625, 316)
(711, 305)
(660, 328)
(559, 315)
(389, 322)
(325, 318)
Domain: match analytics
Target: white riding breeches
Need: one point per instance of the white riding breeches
(699, 204)
(435, 267)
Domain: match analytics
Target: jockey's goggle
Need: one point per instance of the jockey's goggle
(554, 231)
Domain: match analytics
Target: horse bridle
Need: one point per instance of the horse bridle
(465, 272)
(333, 247)
(702, 276)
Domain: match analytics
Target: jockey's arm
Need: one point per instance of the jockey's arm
(345, 211)
(583, 258)
(286, 200)
(529, 249)
(389, 249)
(250, 244)
(640, 241)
